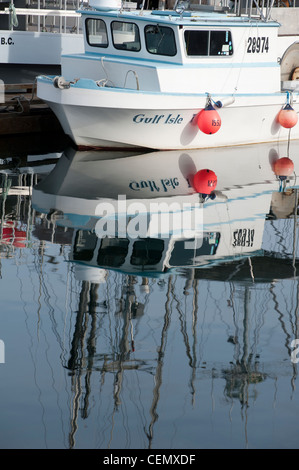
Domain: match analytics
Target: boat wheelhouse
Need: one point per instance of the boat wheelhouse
(145, 77)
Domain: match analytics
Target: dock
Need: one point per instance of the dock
(22, 112)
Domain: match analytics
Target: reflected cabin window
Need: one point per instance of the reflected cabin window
(125, 36)
(208, 43)
(96, 33)
(160, 40)
(84, 246)
(147, 252)
(205, 246)
(112, 252)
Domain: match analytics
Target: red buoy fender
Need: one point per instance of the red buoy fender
(204, 181)
(208, 120)
(287, 117)
(283, 167)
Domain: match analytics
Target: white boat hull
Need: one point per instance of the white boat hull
(112, 118)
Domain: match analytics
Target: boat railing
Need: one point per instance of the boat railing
(57, 16)
(251, 8)
(62, 16)
(247, 8)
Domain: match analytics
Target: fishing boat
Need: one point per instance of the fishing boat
(34, 35)
(195, 76)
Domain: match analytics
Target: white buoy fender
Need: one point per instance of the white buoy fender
(225, 102)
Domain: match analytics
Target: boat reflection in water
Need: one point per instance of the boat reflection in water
(142, 215)
(170, 280)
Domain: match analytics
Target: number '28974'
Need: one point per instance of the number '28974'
(257, 44)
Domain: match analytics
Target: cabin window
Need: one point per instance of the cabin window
(125, 36)
(208, 43)
(160, 40)
(96, 33)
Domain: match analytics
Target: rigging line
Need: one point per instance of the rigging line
(112, 428)
(138, 400)
(243, 57)
(204, 326)
(76, 362)
(194, 324)
(296, 331)
(288, 145)
(183, 328)
(67, 306)
(260, 307)
(91, 348)
(281, 239)
(251, 268)
(295, 232)
(54, 329)
(158, 374)
(237, 348)
(287, 335)
(51, 309)
(74, 407)
(125, 414)
(192, 362)
(33, 356)
(77, 345)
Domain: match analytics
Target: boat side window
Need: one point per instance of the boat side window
(221, 43)
(96, 32)
(197, 42)
(125, 36)
(208, 43)
(160, 40)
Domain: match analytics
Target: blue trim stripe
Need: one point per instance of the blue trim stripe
(135, 61)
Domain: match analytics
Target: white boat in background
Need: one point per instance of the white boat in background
(196, 76)
(34, 34)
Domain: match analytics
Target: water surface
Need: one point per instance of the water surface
(116, 342)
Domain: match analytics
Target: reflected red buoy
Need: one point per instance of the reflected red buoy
(287, 117)
(283, 167)
(208, 120)
(205, 181)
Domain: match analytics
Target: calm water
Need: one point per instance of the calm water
(109, 341)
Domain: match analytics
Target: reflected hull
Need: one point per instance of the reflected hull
(118, 207)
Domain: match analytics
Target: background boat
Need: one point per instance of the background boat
(34, 34)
